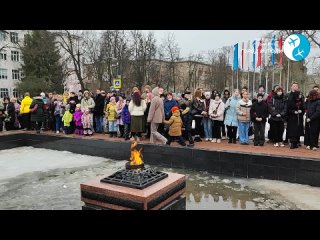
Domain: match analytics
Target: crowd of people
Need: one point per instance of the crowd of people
(201, 116)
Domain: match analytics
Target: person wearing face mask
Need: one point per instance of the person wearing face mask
(278, 113)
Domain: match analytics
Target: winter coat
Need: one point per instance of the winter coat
(137, 110)
(119, 111)
(259, 110)
(156, 111)
(99, 105)
(67, 118)
(86, 120)
(295, 121)
(73, 101)
(277, 105)
(77, 118)
(197, 107)
(10, 109)
(231, 118)
(87, 103)
(125, 115)
(111, 112)
(270, 96)
(38, 114)
(25, 105)
(243, 110)
(168, 104)
(218, 107)
(175, 123)
(58, 108)
(313, 110)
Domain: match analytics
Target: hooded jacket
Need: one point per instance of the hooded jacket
(156, 111)
(175, 123)
(25, 105)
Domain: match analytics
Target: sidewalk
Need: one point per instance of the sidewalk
(267, 149)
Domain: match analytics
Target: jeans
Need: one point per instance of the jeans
(99, 123)
(113, 128)
(207, 125)
(58, 122)
(243, 132)
(127, 130)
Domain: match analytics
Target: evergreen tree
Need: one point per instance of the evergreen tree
(42, 67)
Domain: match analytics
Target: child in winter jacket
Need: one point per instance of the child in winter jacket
(175, 123)
(77, 120)
(67, 119)
(87, 123)
(111, 114)
(126, 119)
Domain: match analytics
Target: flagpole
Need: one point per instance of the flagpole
(232, 81)
(288, 75)
(280, 76)
(260, 75)
(272, 75)
(237, 78)
(254, 82)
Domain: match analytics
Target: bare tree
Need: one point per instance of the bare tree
(193, 63)
(172, 54)
(72, 44)
(143, 49)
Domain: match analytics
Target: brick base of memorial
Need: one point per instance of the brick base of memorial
(166, 194)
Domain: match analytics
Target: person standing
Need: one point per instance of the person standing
(37, 113)
(312, 126)
(207, 122)
(295, 118)
(137, 106)
(259, 114)
(111, 116)
(198, 113)
(186, 106)
(231, 119)
(25, 111)
(243, 110)
(278, 113)
(156, 116)
(126, 119)
(9, 113)
(99, 111)
(216, 113)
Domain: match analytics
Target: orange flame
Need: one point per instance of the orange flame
(136, 156)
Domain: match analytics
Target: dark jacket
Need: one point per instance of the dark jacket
(295, 121)
(38, 114)
(99, 107)
(168, 104)
(259, 110)
(73, 101)
(313, 110)
(278, 105)
(197, 107)
(10, 110)
(125, 115)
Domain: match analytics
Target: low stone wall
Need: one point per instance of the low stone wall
(290, 169)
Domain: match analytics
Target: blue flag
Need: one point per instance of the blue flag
(235, 57)
(273, 48)
(254, 55)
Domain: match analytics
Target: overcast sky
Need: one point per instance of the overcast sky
(204, 40)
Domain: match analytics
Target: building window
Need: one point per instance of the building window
(3, 73)
(3, 35)
(3, 56)
(21, 73)
(4, 92)
(14, 37)
(15, 93)
(15, 74)
(15, 56)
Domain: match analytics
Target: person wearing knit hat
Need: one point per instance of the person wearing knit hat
(175, 123)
